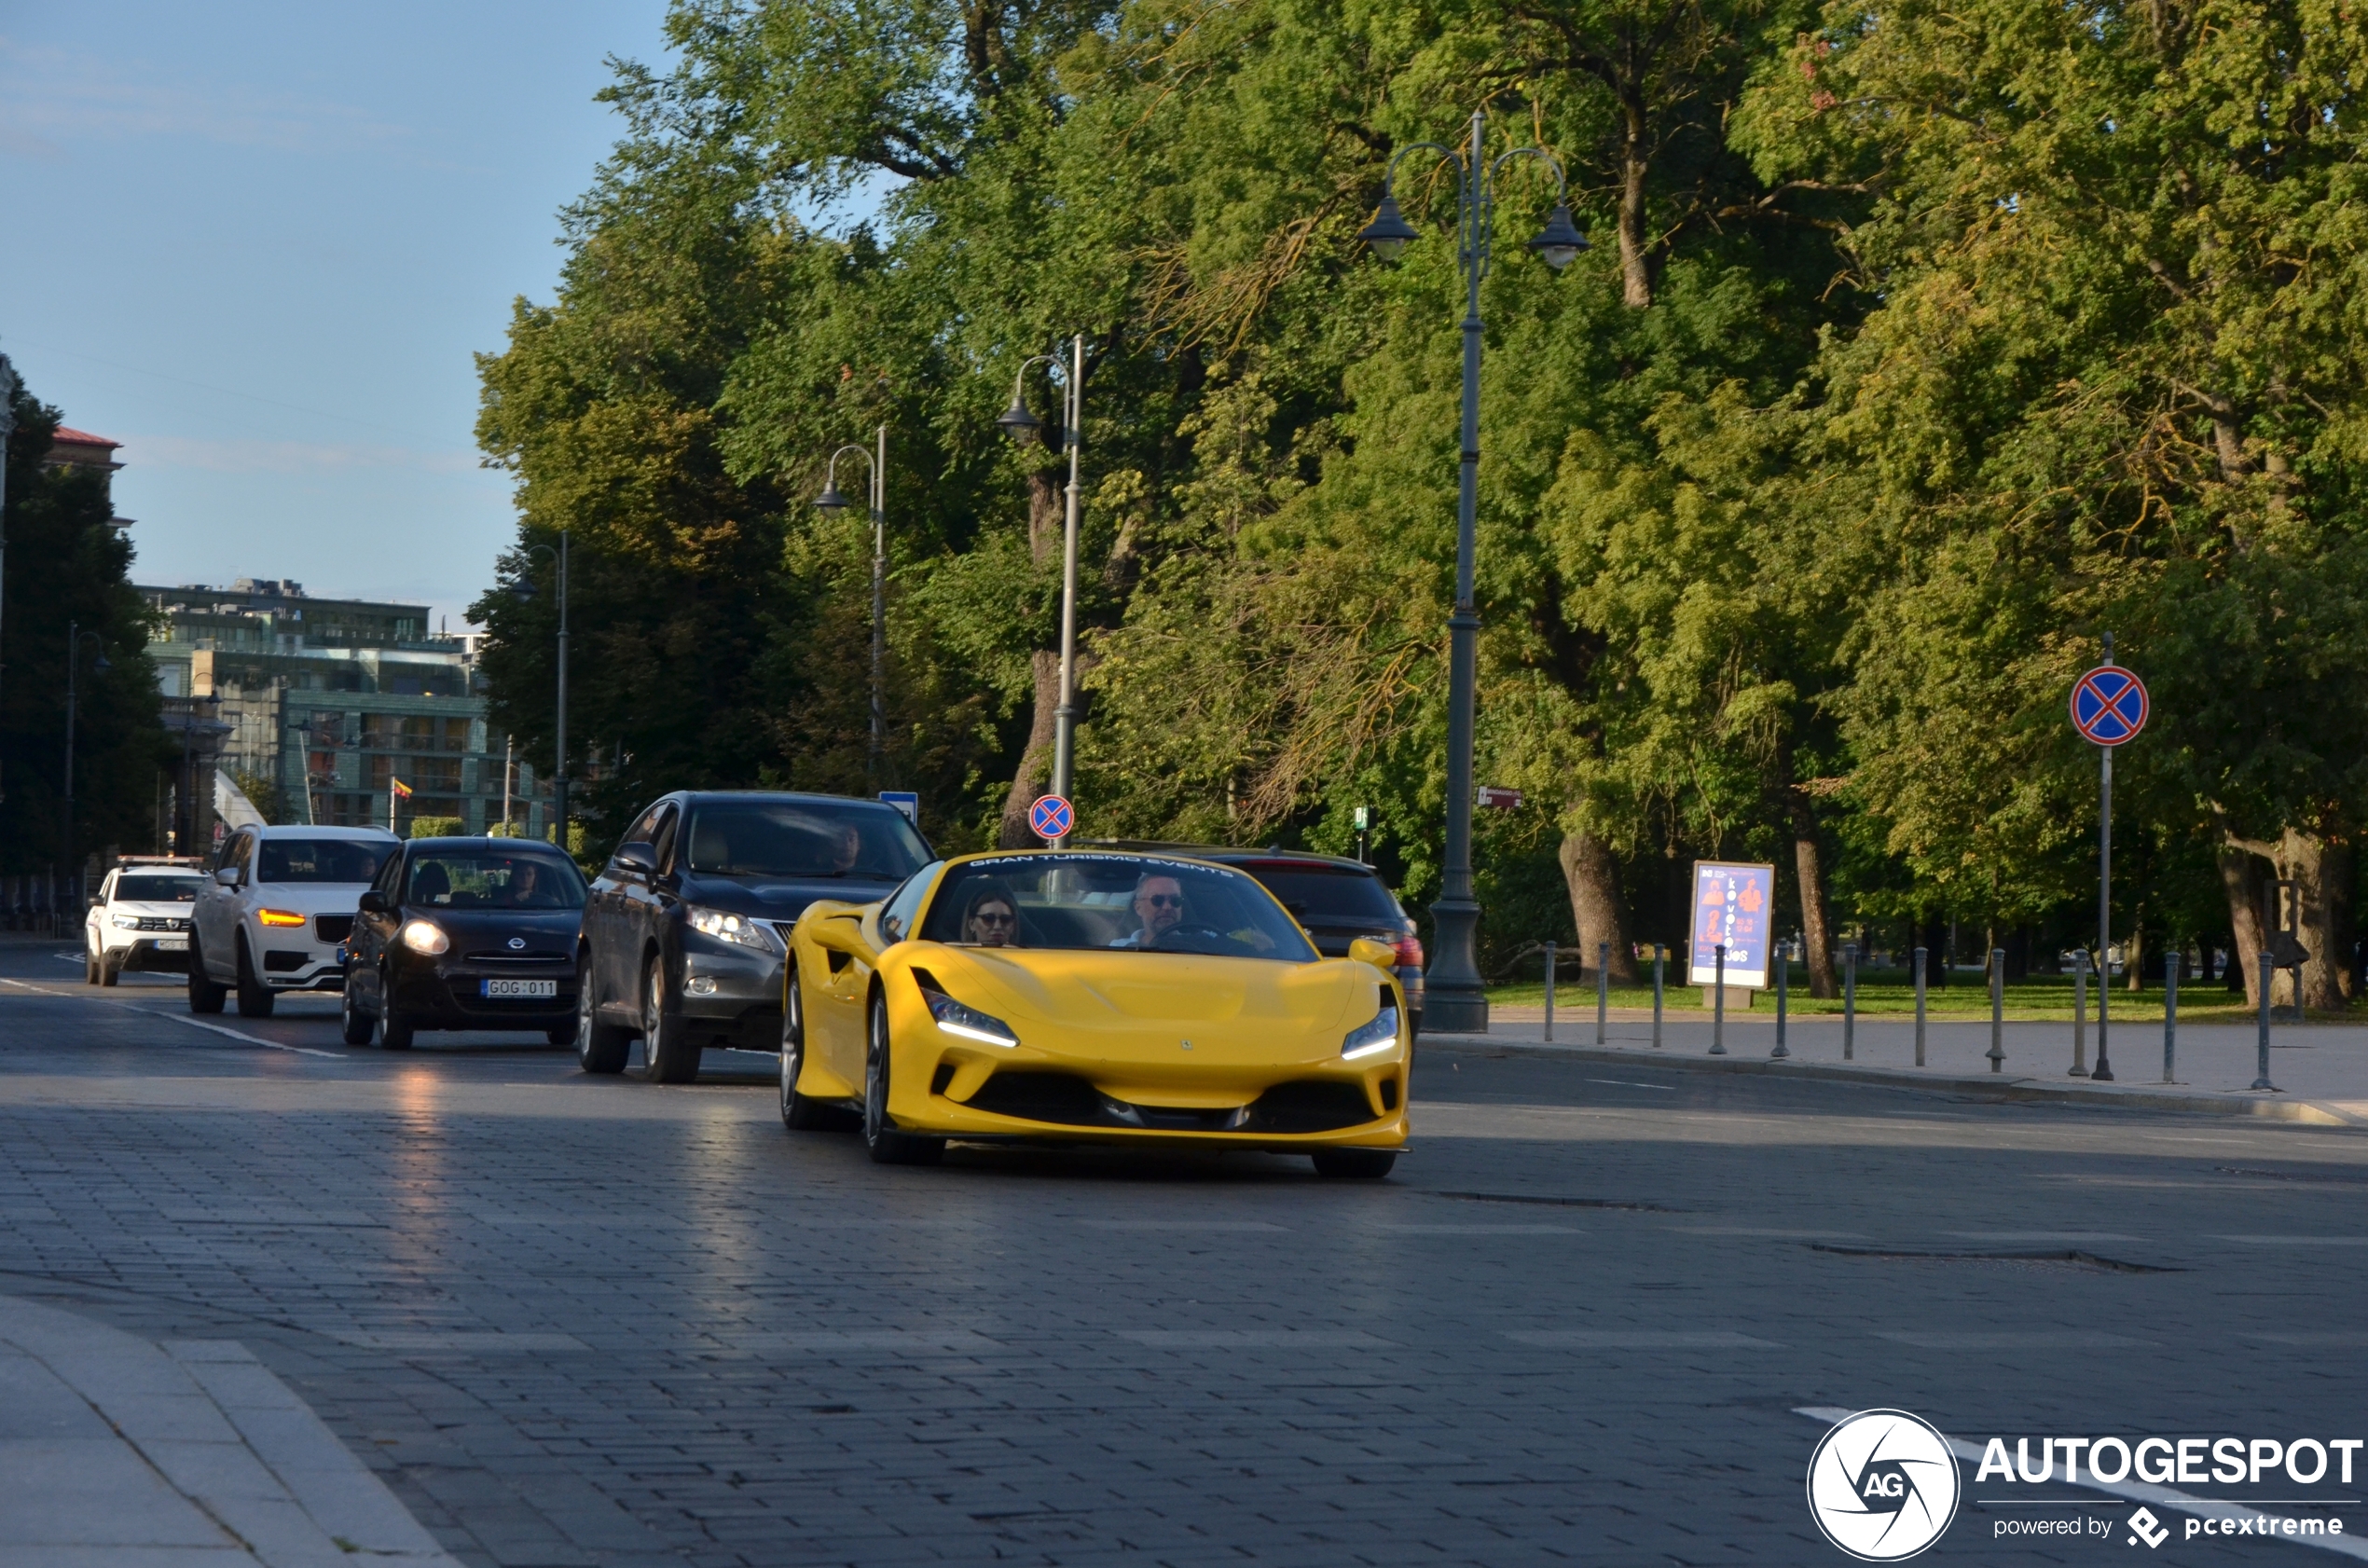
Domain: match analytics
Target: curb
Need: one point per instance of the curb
(2020, 1090)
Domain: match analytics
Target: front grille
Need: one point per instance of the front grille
(1303, 1106)
(333, 928)
(532, 955)
(162, 923)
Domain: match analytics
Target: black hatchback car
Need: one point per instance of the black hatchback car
(1336, 900)
(683, 934)
(465, 933)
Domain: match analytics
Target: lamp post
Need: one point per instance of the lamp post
(831, 504)
(1458, 1003)
(76, 637)
(1025, 428)
(525, 589)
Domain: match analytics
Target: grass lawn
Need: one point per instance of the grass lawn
(1890, 991)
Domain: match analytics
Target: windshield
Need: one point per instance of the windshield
(1124, 902)
(1326, 896)
(158, 889)
(804, 839)
(318, 860)
(493, 879)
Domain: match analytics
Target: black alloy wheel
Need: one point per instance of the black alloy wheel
(599, 1048)
(1360, 1164)
(254, 998)
(668, 1055)
(799, 1114)
(887, 1146)
(204, 995)
(357, 1025)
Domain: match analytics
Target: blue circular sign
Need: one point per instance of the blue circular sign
(2109, 706)
(1051, 817)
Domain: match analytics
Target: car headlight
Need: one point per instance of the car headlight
(968, 1022)
(1369, 1039)
(124, 922)
(739, 929)
(278, 917)
(425, 936)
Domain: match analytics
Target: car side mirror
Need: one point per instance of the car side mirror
(227, 876)
(639, 857)
(98, 904)
(1381, 954)
(373, 903)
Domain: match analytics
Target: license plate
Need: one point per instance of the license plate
(172, 945)
(522, 988)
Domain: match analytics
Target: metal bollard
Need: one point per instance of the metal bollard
(1602, 988)
(2080, 1012)
(1919, 961)
(2173, 961)
(1784, 967)
(1718, 1005)
(1659, 953)
(2261, 1075)
(1997, 1010)
(1849, 1001)
(1550, 993)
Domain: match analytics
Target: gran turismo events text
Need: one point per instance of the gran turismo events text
(2172, 1461)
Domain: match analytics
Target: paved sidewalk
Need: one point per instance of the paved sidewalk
(127, 1454)
(2320, 1069)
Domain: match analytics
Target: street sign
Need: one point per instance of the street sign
(1051, 817)
(906, 802)
(1733, 907)
(2109, 706)
(1496, 797)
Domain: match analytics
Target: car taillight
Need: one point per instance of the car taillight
(1410, 950)
(278, 917)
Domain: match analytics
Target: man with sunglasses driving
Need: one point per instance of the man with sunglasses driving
(1158, 908)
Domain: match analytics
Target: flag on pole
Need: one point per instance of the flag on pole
(402, 790)
(395, 797)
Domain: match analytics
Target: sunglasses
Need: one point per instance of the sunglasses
(1165, 901)
(985, 920)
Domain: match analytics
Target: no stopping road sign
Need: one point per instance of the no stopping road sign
(2109, 706)
(1051, 817)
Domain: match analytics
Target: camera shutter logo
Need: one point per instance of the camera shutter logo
(1882, 1485)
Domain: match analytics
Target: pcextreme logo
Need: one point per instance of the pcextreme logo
(1882, 1485)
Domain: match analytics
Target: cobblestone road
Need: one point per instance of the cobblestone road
(576, 1321)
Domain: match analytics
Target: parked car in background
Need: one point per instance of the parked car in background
(276, 913)
(465, 933)
(140, 920)
(1337, 901)
(684, 929)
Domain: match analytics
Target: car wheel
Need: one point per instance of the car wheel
(204, 995)
(888, 1147)
(358, 1024)
(599, 1048)
(668, 1055)
(1363, 1164)
(89, 965)
(111, 967)
(798, 1113)
(395, 1029)
(254, 998)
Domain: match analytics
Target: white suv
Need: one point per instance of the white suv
(276, 913)
(141, 920)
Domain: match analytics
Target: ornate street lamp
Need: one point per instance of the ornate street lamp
(831, 504)
(1026, 429)
(1457, 1003)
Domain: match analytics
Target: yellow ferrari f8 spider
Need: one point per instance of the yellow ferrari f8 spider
(1076, 996)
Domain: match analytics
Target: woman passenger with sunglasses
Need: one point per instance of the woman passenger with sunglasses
(993, 920)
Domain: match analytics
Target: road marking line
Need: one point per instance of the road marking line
(1637, 1339)
(2142, 1492)
(251, 1040)
(1664, 1088)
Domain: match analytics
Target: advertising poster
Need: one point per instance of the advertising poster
(1734, 905)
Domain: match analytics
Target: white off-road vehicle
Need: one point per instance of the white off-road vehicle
(275, 916)
(140, 921)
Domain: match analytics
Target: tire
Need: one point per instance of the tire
(111, 967)
(89, 965)
(599, 1048)
(395, 1030)
(254, 998)
(668, 1055)
(799, 1114)
(358, 1026)
(887, 1146)
(204, 995)
(1358, 1164)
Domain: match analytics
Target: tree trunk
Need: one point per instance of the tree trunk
(1635, 247)
(2240, 878)
(1597, 907)
(1815, 920)
(1036, 759)
(2321, 874)
(2133, 951)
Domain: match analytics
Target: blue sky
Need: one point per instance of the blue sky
(258, 242)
